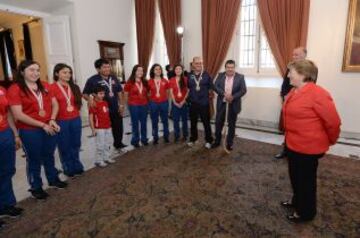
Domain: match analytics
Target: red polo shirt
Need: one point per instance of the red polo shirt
(29, 104)
(135, 97)
(60, 98)
(175, 90)
(4, 106)
(311, 121)
(164, 86)
(101, 115)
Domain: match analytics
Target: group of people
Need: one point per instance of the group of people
(40, 117)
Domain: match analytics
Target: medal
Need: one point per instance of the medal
(109, 86)
(104, 109)
(198, 81)
(139, 86)
(179, 94)
(67, 96)
(39, 99)
(42, 113)
(157, 86)
(69, 108)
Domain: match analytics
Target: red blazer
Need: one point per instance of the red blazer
(311, 121)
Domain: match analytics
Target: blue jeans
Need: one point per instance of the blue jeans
(162, 110)
(180, 114)
(69, 143)
(7, 168)
(138, 116)
(39, 148)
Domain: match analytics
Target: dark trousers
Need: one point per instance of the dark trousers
(162, 110)
(39, 149)
(69, 143)
(117, 129)
(219, 124)
(138, 115)
(7, 168)
(302, 172)
(203, 112)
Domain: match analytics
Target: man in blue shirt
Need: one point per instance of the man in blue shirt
(200, 86)
(113, 96)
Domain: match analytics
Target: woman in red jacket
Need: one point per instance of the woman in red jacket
(311, 124)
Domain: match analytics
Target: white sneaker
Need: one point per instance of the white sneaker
(208, 145)
(110, 161)
(101, 164)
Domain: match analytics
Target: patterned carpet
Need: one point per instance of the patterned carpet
(176, 191)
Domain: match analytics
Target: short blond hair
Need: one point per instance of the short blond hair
(306, 68)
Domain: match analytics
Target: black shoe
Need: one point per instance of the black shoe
(69, 175)
(137, 145)
(293, 218)
(166, 140)
(155, 142)
(145, 143)
(280, 155)
(122, 146)
(215, 145)
(39, 193)
(11, 211)
(79, 173)
(2, 224)
(58, 184)
(229, 147)
(287, 204)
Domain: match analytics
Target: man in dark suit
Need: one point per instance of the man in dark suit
(299, 53)
(230, 87)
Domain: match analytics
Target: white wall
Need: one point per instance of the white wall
(109, 20)
(327, 26)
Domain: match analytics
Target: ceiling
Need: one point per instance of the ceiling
(36, 5)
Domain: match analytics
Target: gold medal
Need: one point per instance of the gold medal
(69, 108)
(42, 113)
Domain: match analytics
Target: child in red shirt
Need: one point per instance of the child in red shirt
(101, 128)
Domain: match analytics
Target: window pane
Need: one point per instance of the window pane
(248, 34)
(266, 57)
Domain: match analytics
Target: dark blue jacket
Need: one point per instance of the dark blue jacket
(95, 80)
(200, 97)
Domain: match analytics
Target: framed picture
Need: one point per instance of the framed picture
(351, 60)
(113, 52)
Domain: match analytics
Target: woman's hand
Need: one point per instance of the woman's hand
(49, 129)
(18, 142)
(93, 132)
(54, 125)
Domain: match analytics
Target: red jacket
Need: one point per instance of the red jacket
(311, 121)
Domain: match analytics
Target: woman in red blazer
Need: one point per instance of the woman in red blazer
(311, 124)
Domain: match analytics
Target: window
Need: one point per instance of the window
(159, 54)
(255, 55)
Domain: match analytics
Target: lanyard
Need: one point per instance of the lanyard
(66, 95)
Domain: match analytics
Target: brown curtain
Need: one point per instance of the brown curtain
(218, 24)
(170, 13)
(286, 25)
(145, 29)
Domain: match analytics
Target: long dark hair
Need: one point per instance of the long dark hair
(74, 88)
(152, 71)
(6, 82)
(182, 77)
(20, 79)
(133, 75)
